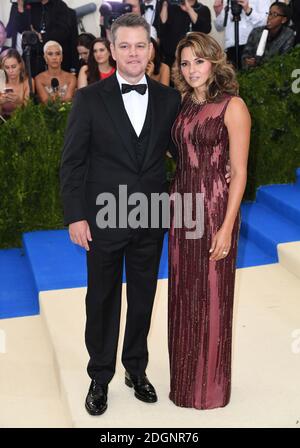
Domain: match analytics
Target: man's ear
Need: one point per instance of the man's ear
(112, 49)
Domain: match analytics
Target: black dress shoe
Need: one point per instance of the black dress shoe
(96, 400)
(143, 389)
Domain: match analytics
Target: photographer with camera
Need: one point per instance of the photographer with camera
(111, 10)
(50, 20)
(252, 14)
(179, 17)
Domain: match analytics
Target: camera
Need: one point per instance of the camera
(29, 39)
(112, 10)
(26, 2)
(236, 8)
(176, 2)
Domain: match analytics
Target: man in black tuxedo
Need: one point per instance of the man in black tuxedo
(118, 133)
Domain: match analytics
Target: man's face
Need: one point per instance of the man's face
(2, 36)
(131, 51)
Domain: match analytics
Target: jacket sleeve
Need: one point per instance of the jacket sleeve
(22, 21)
(203, 23)
(288, 44)
(219, 21)
(74, 163)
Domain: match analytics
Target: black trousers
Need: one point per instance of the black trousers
(105, 262)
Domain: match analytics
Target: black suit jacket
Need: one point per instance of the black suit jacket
(98, 154)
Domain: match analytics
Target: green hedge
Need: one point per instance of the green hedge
(275, 111)
(30, 149)
(31, 142)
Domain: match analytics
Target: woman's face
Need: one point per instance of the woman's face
(83, 52)
(12, 68)
(101, 53)
(275, 18)
(194, 69)
(53, 57)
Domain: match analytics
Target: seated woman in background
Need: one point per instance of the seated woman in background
(16, 92)
(84, 43)
(54, 82)
(100, 64)
(280, 37)
(156, 69)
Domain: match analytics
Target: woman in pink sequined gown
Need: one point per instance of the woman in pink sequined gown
(212, 128)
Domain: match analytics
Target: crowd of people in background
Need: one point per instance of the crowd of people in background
(62, 61)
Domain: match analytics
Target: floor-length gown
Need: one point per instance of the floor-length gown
(201, 291)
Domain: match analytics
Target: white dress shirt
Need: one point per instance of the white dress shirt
(150, 13)
(258, 17)
(135, 104)
(149, 16)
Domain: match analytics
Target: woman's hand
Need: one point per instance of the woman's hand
(221, 244)
(251, 62)
(3, 98)
(12, 97)
(9, 97)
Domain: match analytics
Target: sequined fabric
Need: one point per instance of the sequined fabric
(201, 291)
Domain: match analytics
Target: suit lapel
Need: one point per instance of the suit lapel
(113, 101)
(112, 97)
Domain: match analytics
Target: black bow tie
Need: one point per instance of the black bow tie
(149, 7)
(140, 88)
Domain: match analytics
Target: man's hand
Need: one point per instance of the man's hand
(80, 234)
(218, 6)
(228, 173)
(245, 5)
(186, 7)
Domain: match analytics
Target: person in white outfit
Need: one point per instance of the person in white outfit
(254, 14)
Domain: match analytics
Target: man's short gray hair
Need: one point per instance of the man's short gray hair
(130, 20)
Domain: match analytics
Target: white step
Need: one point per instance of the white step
(289, 257)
